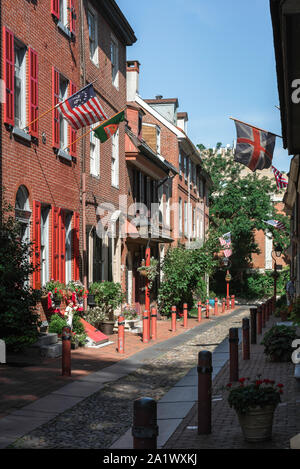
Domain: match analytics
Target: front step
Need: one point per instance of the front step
(51, 351)
(46, 339)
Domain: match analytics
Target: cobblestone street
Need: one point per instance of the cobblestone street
(102, 418)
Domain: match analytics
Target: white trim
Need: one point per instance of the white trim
(93, 13)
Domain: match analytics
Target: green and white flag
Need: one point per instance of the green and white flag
(108, 128)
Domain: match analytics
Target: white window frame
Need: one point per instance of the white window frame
(168, 208)
(64, 16)
(185, 218)
(45, 267)
(68, 247)
(94, 56)
(62, 122)
(115, 160)
(95, 158)
(158, 134)
(180, 215)
(22, 122)
(114, 57)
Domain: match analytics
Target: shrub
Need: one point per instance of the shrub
(278, 343)
(57, 323)
(78, 329)
(94, 315)
(108, 296)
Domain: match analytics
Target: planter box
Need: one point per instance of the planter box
(257, 423)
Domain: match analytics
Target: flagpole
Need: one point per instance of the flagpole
(267, 131)
(93, 128)
(56, 105)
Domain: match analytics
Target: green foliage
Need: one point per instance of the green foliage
(259, 393)
(278, 343)
(94, 315)
(78, 329)
(55, 287)
(151, 271)
(108, 296)
(57, 323)
(295, 313)
(183, 271)
(18, 318)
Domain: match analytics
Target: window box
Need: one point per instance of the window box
(21, 134)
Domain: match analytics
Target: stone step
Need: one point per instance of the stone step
(46, 339)
(51, 351)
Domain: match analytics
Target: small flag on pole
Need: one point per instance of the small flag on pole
(82, 108)
(276, 224)
(254, 147)
(280, 181)
(225, 242)
(108, 128)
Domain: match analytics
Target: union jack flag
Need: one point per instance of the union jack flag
(225, 242)
(82, 108)
(280, 181)
(277, 224)
(254, 147)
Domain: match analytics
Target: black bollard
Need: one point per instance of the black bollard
(253, 312)
(144, 429)
(204, 392)
(234, 353)
(246, 341)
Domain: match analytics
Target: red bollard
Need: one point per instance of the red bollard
(204, 392)
(121, 333)
(185, 314)
(227, 303)
(216, 307)
(153, 324)
(223, 305)
(232, 302)
(145, 327)
(234, 354)
(144, 428)
(259, 320)
(207, 309)
(199, 311)
(246, 339)
(66, 351)
(174, 315)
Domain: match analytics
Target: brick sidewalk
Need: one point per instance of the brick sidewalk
(34, 378)
(226, 431)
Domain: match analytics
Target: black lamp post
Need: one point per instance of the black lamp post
(278, 252)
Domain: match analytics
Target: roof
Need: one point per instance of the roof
(114, 16)
(182, 115)
(162, 101)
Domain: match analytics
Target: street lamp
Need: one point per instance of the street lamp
(227, 264)
(278, 251)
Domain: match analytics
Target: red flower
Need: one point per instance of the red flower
(280, 385)
(242, 380)
(55, 290)
(258, 382)
(229, 385)
(87, 291)
(267, 381)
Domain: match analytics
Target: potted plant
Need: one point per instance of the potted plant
(108, 296)
(255, 403)
(78, 288)
(57, 290)
(131, 316)
(149, 271)
(95, 316)
(56, 324)
(278, 343)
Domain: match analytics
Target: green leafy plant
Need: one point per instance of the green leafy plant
(94, 315)
(57, 289)
(78, 288)
(108, 296)
(18, 319)
(129, 313)
(57, 323)
(79, 331)
(278, 342)
(151, 271)
(258, 393)
(295, 313)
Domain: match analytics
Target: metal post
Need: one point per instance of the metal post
(216, 307)
(66, 351)
(144, 429)
(204, 392)
(121, 333)
(145, 327)
(207, 309)
(147, 290)
(185, 313)
(253, 313)
(259, 320)
(199, 311)
(174, 314)
(246, 341)
(234, 353)
(223, 305)
(153, 324)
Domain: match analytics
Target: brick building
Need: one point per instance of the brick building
(49, 50)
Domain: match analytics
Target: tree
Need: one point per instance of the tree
(18, 318)
(240, 203)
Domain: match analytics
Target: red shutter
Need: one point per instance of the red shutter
(72, 16)
(55, 243)
(72, 132)
(36, 232)
(55, 8)
(55, 112)
(62, 247)
(9, 76)
(76, 245)
(33, 91)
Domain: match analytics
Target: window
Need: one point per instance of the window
(114, 62)
(201, 188)
(190, 172)
(180, 164)
(63, 12)
(180, 215)
(68, 254)
(115, 160)
(94, 155)
(167, 221)
(185, 218)
(20, 85)
(45, 245)
(194, 223)
(63, 125)
(93, 35)
(158, 140)
(185, 168)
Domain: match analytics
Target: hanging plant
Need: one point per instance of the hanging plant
(149, 271)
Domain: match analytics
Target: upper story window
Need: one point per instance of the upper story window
(115, 160)
(93, 35)
(63, 12)
(158, 139)
(180, 215)
(185, 168)
(63, 125)
(20, 85)
(114, 55)
(94, 155)
(180, 164)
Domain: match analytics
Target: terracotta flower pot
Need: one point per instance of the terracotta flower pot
(257, 423)
(107, 327)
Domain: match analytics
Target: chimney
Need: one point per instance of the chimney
(132, 79)
(182, 118)
(159, 96)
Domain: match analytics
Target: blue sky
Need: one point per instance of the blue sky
(216, 56)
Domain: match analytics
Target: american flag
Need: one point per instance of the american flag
(82, 108)
(277, 224)
(225, 241)
(280, 181)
